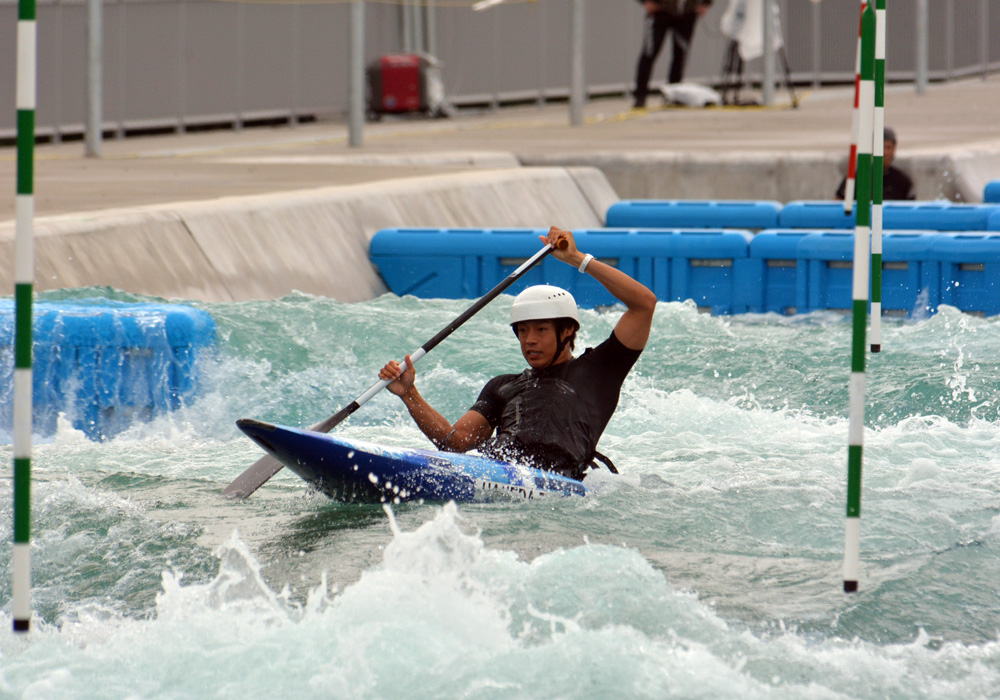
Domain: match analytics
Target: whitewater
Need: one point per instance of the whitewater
(709, 568)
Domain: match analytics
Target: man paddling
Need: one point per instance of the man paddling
(551, 415)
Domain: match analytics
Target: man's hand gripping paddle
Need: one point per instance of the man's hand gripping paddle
(267, 466)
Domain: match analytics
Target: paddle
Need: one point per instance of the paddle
(267, 466)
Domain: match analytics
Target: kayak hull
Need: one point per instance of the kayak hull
(363, 472)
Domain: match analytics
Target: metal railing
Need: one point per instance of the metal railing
(181, 64)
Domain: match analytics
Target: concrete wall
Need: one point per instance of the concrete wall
(313, 241)
(959, 176)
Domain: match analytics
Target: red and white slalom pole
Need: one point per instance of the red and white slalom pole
(852, 158)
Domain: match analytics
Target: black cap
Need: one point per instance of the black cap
(888, 134)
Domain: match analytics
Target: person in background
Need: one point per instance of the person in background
(895, 183)
(551, 415)
(662, 16)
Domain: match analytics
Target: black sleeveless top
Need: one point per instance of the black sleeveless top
(552, 418)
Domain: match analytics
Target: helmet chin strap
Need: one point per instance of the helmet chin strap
(560, 347)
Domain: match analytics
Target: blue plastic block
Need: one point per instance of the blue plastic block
(769, 279)
(815, 215)
(453, 263)
(991, 193)
(106, 364)
(675, 264)
(677, 213)
(641, 254)
(993, 223)
(970, 271)
(936, 216)
(910, 216)
(703, 267)
(466, 263)
(827, 281)
(910, 276)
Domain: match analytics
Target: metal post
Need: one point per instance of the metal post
(768, 30)
(182, 53)
(817, 44)
(418, 27)
(922, 46)
(984, 36)
(293, 117)
(94, 79)
(949, 39)
(356, 98)
(407, 26)
(431, 29)
(577, 96)
(241, 37)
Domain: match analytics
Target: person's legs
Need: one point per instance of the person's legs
(683, 30)
(654, 31)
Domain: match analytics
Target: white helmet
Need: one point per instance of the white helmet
(543, 302)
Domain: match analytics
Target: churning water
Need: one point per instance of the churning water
(710, 568)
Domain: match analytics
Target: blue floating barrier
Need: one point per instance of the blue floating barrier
(910, 275)
(822, 215)
(451, 263)
(970, 271)
(703, 268)
(828, 263)
(466, 263)
(993, 223)
(724, 271)
(936, 216)
(910, 216)
(681, 213)
(106, 364)
(641, 254)
(910, 271)
(991, 193)
(769, 279)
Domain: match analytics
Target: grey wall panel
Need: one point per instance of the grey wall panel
(62, 31)
(614, 31)
(211, 59)
(148, 85)
(966, 32)
(184, 62)
(269, 59)
(321, 76)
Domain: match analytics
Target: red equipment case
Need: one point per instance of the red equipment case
(400, 83)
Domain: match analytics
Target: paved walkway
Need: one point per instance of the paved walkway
(960, 116)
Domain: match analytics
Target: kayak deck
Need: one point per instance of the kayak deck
(358, 471)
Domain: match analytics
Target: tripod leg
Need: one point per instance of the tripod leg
(788, 78)
(739, 77)
(728, 68)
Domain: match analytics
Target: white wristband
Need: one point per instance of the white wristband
(586, 261)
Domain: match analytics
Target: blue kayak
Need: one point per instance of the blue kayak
(363, 472)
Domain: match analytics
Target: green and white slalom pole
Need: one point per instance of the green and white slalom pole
(23, 290)
(877, 176)
(862, 230)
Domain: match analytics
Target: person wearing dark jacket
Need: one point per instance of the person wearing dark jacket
(895, 183)
(662, 16)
